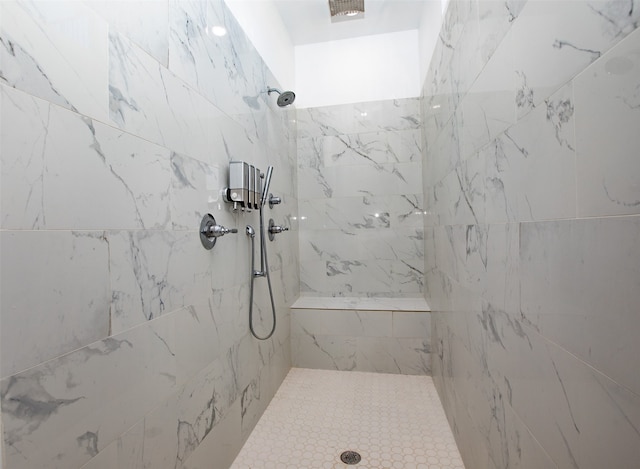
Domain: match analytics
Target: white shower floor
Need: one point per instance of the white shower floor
(393, 421)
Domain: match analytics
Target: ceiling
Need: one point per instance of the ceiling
(308, 21)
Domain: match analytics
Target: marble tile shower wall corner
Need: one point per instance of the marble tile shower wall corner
(123, 342)
(532, 193)
(360, 196)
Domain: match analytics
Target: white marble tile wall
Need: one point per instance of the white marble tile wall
(123, 342)
(360, 196)
(359, 340)
(531, 230)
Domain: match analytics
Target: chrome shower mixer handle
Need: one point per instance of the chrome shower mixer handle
(275, 229)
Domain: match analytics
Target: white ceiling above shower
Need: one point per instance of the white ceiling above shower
(308, 21)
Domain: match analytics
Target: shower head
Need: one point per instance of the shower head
(285, 98)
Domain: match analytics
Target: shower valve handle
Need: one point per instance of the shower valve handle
(216, 231)
(210, 231)
(273, 200)
(275, 229)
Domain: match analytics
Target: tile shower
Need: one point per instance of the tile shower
(123, 343)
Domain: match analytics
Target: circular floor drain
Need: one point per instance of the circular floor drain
(350, 457)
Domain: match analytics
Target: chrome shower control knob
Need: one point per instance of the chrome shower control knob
(210, 231)
(273, 200)
(275, 229)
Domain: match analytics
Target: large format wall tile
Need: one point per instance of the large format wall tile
(55, 295)
(100, 167)
(57, 52)
(581, 289)
(607, 102)
(124, 342)
(145, 22)
(63, 412)
(360, 195)
(532, 307)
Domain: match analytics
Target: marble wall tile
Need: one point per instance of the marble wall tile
(309, 350)
(496, 19)
(575, 34)
(226, 70)
(196, 189)
(46, 314)
(116, 150)
(22, 177)
(466, 61)
(607, 107)
(376, 341)
(399, 114)
(502, 289)
(106, 459)
(62, 413)
(518, 302)
(410, 324)
(373, 244)
(148, 100)
(153, 273)
(130, 447)
(370, 148)
(522, 448)
(224, 441)
(57, 52)
(580, 286)
(356, 278)
(110, 163)
(342, 322)
(358, 180)
(488, 108)
(539, 147)
(160, 435)
(144, 22)
(577, 397)
(359, 213)
(111, 176)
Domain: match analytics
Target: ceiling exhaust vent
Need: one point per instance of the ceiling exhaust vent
(342, 10)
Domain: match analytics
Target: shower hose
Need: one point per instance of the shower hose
(255, 273)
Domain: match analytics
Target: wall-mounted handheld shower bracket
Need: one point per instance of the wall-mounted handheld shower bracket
(273, 200)
(275, 229)
(210, 231)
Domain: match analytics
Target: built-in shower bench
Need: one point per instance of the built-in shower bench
(387, 335)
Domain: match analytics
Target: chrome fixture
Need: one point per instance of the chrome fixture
(275, 229)
(264, 262)
(267, 183)
(273, 200)
(346, 9)
(210, 231)
(285, 98)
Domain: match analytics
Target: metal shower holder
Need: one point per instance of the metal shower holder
(210, 231)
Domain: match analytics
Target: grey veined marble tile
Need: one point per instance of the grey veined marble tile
(580, 287)
(55, 295)
(607, 106)
(64, 412)
(57, 51)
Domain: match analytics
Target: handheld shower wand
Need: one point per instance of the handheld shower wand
(264, 263)
(265, 187)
